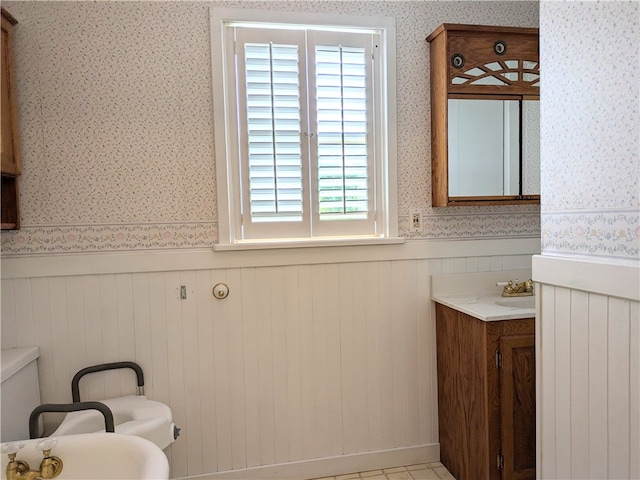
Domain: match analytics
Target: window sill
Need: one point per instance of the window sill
(306, 243)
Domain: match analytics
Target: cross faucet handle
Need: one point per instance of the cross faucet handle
(46, 444)
(12, 447)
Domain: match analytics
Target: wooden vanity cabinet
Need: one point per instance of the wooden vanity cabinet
(10, 153)
(486, 396)
(478, 62)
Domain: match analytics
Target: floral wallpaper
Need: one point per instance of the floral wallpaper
(590, 136)
(115, 111)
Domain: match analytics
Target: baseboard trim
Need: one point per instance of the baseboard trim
(329, 466)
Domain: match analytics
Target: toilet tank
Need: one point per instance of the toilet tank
(20, 391)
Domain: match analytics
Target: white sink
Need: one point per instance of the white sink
(92, 456)
(517, 302)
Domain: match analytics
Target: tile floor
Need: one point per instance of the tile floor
(422, 471)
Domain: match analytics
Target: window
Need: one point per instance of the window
(305, 127)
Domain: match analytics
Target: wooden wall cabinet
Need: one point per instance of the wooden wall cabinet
(476, 62)
(486, 396)
(10, 153)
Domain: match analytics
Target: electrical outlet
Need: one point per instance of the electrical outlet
(415, 221)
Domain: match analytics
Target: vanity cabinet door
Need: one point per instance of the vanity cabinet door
(518, 406)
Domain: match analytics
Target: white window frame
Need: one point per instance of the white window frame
(226, 142)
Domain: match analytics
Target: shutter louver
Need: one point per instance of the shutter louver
(341, 104)
(274, 129)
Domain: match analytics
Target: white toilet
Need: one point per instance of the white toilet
(20, 391)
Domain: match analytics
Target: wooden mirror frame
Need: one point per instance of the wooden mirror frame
(460, 48)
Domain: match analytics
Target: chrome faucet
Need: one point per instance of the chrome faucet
(514, 289)
(50, 466)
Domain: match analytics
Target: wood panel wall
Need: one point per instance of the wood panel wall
(299, 362)
(588, 385)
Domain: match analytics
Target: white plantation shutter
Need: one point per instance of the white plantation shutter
(272, 114)
(305, 133)
(341, 91)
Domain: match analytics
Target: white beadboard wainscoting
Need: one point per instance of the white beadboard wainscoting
(319, 361)
(588, 373)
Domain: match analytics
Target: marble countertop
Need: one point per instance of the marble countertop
(489, 307)
(476, 294)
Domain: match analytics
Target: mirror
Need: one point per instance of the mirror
(493, 147)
